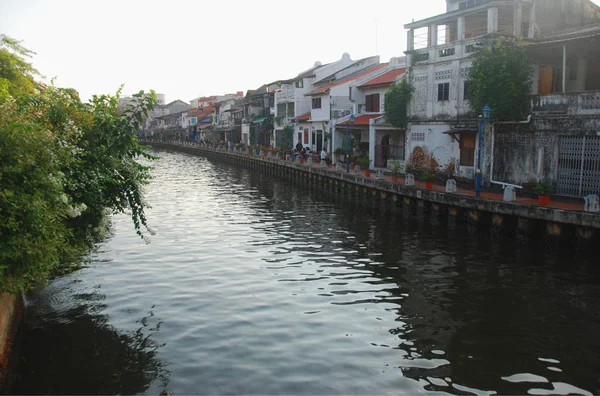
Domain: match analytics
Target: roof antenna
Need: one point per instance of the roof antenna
(376, 37)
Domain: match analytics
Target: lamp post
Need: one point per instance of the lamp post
(351, 120)
(482, 120)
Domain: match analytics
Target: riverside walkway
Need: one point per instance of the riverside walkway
(558, 218)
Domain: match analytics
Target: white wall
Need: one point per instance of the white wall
(246, 133)
(370, 91)
(303, 103)
(426, 79)
(323, 112)
(333, 67)
(443, 147)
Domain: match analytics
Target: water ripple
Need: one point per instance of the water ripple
(256, 286)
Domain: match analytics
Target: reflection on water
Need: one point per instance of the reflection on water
(257, 286)
(69, 347)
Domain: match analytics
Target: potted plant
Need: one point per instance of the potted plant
(364, 162)
(543, 191)
(396, 170)
(427, 176)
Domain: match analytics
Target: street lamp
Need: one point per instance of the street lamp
(351, 120)
(482, 120)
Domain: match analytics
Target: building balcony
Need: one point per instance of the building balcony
(569, 103)
(284, 96)
(448, 52)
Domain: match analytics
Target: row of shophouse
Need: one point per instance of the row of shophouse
(558, 142)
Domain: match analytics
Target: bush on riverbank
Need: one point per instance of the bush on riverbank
(63, 164)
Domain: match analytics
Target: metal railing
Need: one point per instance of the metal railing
(567, 103)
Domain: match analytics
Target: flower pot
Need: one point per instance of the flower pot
(394, 179)
(367, 173)
(302, 162)
(428, 185)
(543, 201)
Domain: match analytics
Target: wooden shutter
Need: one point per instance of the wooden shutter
(546, 77)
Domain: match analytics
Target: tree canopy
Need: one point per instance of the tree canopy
(397, 99)
(64, 164)
(501, 77)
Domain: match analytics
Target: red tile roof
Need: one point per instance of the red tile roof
(361, 120)
(302, 117)
(346, 79)
(384, 79)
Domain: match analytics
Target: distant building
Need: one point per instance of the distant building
(563, 39)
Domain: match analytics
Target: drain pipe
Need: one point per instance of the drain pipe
(527, 121)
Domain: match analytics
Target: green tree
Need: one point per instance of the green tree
(397, 99)
(17, 75)
(63, 165)
(501, 77)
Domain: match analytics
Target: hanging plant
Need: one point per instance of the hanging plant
(397, 99)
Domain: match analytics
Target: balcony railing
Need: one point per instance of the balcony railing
(578, 103)
(449, 51)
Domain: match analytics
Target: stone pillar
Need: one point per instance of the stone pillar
(591, 204)
(451, 186)
(433, 35)
(532, 23)
(509, 194)
(460, 28)
(564, 70)
(518, 19)
(410, 42)
(492, 22)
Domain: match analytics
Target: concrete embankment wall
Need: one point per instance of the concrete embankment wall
(11, 306)
(509, 218)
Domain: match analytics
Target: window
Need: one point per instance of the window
(299, 137)
(305, 136)
(466, 91)
(467, 149)
(300, 84)
(443, 92)
(350, 93)
(372, 104)
(316, 103)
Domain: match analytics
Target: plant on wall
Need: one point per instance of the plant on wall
(286, 139)
(501, 77)
(397, 99)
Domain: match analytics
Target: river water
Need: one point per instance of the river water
(258, 286)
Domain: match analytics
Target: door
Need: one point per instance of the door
(578, 166)
(319, 140)
(545, 81)
(385, 150)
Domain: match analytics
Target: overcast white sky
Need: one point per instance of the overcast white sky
(187, 48)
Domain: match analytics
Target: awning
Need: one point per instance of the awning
(460, 131)
(302, 117)
(260, 120)
(361, 120)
